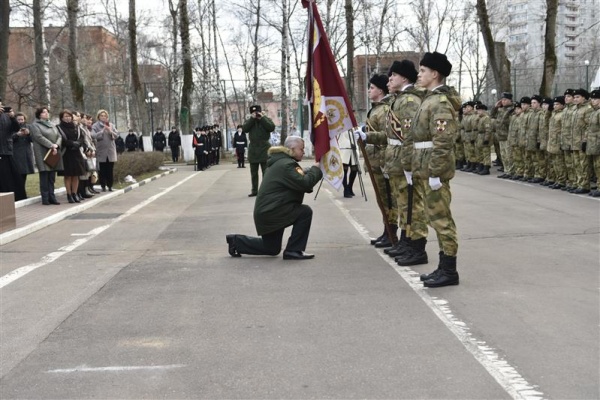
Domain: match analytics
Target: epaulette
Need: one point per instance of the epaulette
(443, 98)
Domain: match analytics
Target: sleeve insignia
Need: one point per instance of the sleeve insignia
(407, 122)
(440, 125)
(300, 170)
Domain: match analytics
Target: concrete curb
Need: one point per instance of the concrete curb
(18, 233)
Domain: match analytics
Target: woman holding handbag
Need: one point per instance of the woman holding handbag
(73, 162)
(89, 156)
(106, 149)
(46, 141)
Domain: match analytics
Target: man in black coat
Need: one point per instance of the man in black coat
(174, 143)
(160, 140)
(10, 179)
(131, 141)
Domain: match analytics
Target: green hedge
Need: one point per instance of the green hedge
(137, 163)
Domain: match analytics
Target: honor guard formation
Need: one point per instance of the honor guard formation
(207, 146)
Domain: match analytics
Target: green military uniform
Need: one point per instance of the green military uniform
(502, 117)
(592, 138)
(556, 159)
(469, 129)
(581, 161)
(279, 205)
(547, 175)
(532, 146)
(566, 136)
(514, 132)
(259, 132)
(483, 142)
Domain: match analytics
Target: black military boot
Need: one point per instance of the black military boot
(485, 170)
(377, 239)
(447, 274)
(400, 247)
(416, 255)
(388, 241)
(433, 274)
(466, 167)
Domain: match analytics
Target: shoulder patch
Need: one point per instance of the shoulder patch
(443, 99)
(300, 170)
(410, 98)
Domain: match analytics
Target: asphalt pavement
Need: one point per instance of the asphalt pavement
(134, 296)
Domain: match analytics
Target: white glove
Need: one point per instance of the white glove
(358, 134)
(205, 152)
(408, 175)
(435, 183)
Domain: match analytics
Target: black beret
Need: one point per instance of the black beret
(517, 105)
(255, 108)
(537, 98)
(438, 62)
(582, 92)
(380, 81)
(470, 103)
(595, 94)
(547, 100)
(406, 68)
(569, 92)
(481, 107)
(507, 95)
(197, 128)
(560, 99)
(526, 100)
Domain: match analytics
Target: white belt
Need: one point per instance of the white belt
(423, 145)
(394, 142)
(240, 142)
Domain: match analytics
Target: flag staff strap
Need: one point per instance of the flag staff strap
(384, 212)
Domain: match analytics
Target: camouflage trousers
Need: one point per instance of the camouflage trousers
(470, 152)
(484, 154)
(557, 171)
(581, 163)
(517, 158)
(400, 191)
(541, 169)
(459, 151)
(506, 156)
(596, 168)
(569, 169)
(436, 208)
(389, 202)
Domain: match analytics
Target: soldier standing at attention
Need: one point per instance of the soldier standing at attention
(240, 142)
(428, 161)
(501, 113)
(377, 93)
(566, 137)
(484, 139)
(556, 158)
(259, 128)
(593, 137)
(532, 141)
(546, 173)
(525, 116)
(468, 139)
(516, 158)
(579, 126)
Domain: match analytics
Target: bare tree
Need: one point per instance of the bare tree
(77, 89)
(174, 71)
(4, 32)
(136, 84)
(188, 79)
(550, 60)
(350, 49)
(41, 55)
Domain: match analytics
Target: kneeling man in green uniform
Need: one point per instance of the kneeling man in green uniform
(279, 205)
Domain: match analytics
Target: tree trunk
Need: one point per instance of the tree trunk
(136, 85)
(350, 51)
(43, 92)
(77, 90)
(499, 62)
(217, 75)
(4, 32)
(188, 78)
(173, 73)
(284, 70)
(550, 60)
(255, 54)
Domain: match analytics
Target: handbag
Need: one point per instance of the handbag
(90, 164)
(52, 160)
(94, 177)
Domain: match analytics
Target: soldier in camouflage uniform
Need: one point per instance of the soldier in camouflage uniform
(516, 158)
(521, 167)
(467, 136)
(501, 114)
(484, 139)
(428, 161)
(556, 159)
(547, 174)
(403, 107)
(566, 137)
(579, 126)
(376, 120)
(592, 137)
(532, 141)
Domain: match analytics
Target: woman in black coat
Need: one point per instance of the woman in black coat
(73, 161)
(22, 151)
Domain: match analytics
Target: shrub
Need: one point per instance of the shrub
(136, 163)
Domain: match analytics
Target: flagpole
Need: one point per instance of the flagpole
(355, 157)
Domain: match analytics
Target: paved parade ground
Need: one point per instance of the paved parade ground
(133, 295)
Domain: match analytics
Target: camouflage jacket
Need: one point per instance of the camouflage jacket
(513, 129)
(522, 136)
(566, 134)
(543, 129)
(593, 133)
(532, 130)
(554, 130)
(402, 110)
(433, 130)
(579, 126)
(484, 130)
(469, 127)
(501, 117)
(376, 125)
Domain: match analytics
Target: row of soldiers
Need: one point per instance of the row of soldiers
(206, 142)
(551, 141)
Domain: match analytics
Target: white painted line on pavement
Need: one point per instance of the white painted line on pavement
(506, 375)
(49, 258)
(84, 368)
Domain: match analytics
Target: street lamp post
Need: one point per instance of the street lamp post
(494, 99)
(151, 100)
(587, 74)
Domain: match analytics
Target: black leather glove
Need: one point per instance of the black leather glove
(583, 146)
(486, 142)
